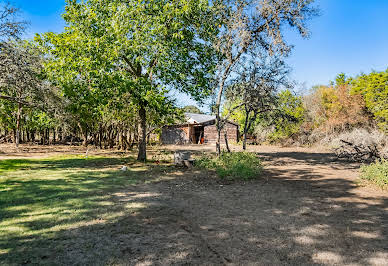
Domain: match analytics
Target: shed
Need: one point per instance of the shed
(198, 129)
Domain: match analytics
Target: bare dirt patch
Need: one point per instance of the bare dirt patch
(307, 209)
(28, 151)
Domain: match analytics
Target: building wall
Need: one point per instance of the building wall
(184, 134)
(211, 133)
(175, 135)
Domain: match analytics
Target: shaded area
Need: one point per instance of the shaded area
(44, 204)
(311, 158)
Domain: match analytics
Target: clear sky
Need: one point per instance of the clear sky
(349, 36)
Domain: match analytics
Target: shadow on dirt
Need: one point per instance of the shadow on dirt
(327, 159)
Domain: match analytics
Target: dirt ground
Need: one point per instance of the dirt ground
(307, 209)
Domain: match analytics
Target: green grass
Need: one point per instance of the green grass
(376, 172)
(42, 202)
(234, 165)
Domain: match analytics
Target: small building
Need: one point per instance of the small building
(198, 129)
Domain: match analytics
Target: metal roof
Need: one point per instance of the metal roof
(199, 118)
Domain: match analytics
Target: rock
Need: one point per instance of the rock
(181, 156)
(188, 163)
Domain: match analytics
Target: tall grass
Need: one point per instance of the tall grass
(376, 172)
(235, 165)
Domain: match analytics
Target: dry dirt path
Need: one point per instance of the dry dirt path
(307, 210)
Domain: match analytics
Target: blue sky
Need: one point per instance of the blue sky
(349, 36)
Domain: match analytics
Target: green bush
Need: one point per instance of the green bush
(376, 172)
(235, 165)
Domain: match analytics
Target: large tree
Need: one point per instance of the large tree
(250, 25)
(253, 90)
(140, 48)
(21, 81)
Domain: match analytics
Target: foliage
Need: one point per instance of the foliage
(22, 83)
(235, 165)
(288, 116)
(250, 27)
(334, 108)
(10, 25)
(192, 109)
(140, 49)
(376, 172)
(21, 68)
(374, 88)
(253, 91)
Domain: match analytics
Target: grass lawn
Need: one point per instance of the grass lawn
(45, 202)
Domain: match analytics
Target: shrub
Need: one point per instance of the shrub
(289, 116)
(376, 172)
(369, 142)
(374, 88)
(235, 165)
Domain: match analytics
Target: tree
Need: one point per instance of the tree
(192, 109)
(335, 108)
(10, 26)
(254, 88)
(140, 48)
(288, 116)
(251, 25)
(20, 80)
(374, 89)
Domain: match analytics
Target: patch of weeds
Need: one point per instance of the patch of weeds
(235, 165)
(376, 172)
(161, 156)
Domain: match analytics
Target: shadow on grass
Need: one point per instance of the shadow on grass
(61, 163)
(40, 199)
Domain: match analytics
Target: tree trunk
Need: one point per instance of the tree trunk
(48, 136)
(17, 137)
(84, 134)
(226, 140)
(41, 133)
(218, 142)
(100, 137)
(142, 155)
(245, 131)
(60, 134)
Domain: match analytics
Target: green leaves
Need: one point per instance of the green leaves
(374, 88)
(144, 45)
(289, 115)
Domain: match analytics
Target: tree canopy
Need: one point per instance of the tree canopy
(138, 49)
(374, 88)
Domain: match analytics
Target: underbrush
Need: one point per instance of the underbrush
(360, 145)
(376, 172)
(235, 165)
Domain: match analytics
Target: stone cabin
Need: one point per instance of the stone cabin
(198, 129)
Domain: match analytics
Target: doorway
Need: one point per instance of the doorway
(199, 135)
